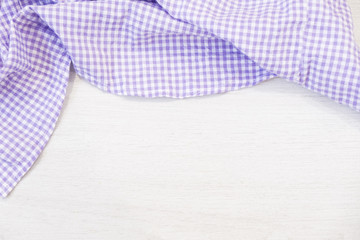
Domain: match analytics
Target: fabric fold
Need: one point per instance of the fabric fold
(307, 42)
(32, 89)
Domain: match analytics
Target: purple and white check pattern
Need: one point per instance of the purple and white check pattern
(163, 48)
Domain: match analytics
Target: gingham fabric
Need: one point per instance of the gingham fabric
(164, 48)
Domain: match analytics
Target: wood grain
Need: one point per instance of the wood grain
(272, 162)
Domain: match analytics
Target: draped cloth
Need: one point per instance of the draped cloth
(163, 48)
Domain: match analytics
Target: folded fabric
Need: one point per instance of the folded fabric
(163, 48)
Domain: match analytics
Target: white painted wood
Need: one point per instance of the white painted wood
(272, 162)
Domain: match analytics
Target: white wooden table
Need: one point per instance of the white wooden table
(272, 162)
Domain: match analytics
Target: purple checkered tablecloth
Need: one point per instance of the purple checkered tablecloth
(163, 48)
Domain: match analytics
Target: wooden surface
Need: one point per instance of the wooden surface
(272, 162)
